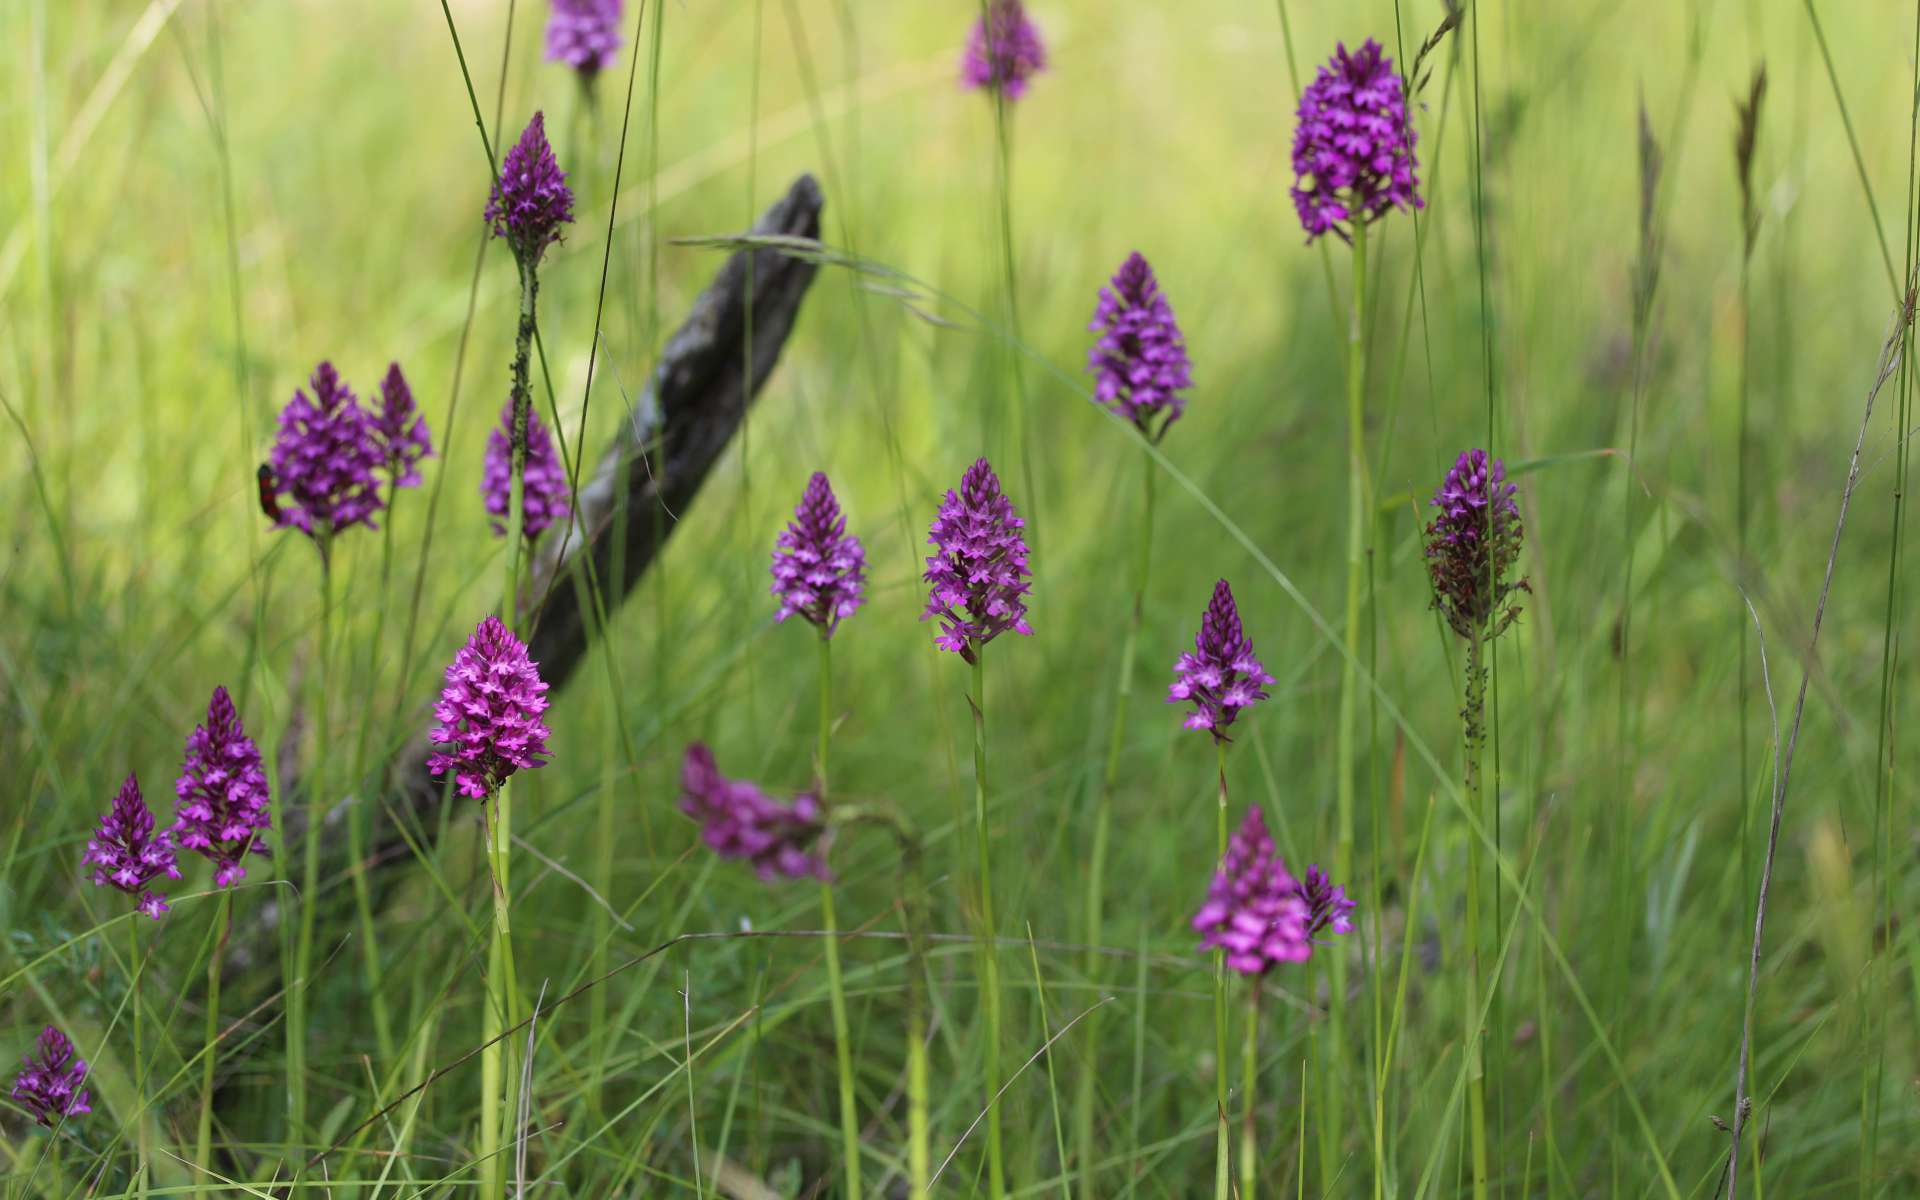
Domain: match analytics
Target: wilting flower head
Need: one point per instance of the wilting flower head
(50, 1085)
(1472, 547)
(399, 430)
(324, 458)
(1254, 910)
(1140, 362)
(1353, 147)
(1003, 51)
(1220, 674)
(222, 793)
(127, 854)
(584, 34)
(531, 199)
(740, 821)
(1328, 905)
(818, 570)
(543, 497)
(489, 712)
(979, 576)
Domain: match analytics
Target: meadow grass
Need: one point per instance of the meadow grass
(205, 199)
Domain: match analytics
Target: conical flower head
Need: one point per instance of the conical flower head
(1254, 910)
(979, 574)
(1220, 675)
(1473, 545)
(324, 459)
(531, 201)
(544, 494)
(1140, 362)
(1353, 155)
(1328, 906)
(127, 854)
(739, 821)
(399, 430)
(489, 712)
(51, 1083)
(584, 34)
(223, 805)
(1004, 51)
(819, 570)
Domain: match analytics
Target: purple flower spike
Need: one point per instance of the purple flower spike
(50, 1086)
(1328, 905)
(1254, 910)
(1353, 155)
(127, 854)
(739, 821)
(584, 34)
(818, 570)
(400, 431)
(222, 793)
(1140, 362)
(1004, 51)
(489, 712)
(544, 495)
(1473, 545)
(531, 199)
(979, 576)
(1220, 675)
(324, 459)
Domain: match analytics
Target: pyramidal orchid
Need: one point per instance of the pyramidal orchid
(1254, 909)
(1220, 675)
(1003, 52)
(1139, 363)
(585, 35)
(544, 497)
(1472, 546)
(127, 854)
(740, 821)
(1328, 906)
(1353, 159)
(399, 430)
(819, 570)
(223, 806)
(323, 460)
(530, 204)
(978, 575)
(51, 1081)
(489, 712)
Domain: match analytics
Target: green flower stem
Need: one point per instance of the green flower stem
(836, 987)
(1249, 1076)
(1222, 1176)
(203, 1141)
(989, 950)
(1102, 832)
(517, 436)
(360, 813)
(1349, 680)
(133, 983)
(496, 1061)
(317, 787)
(1474, 738)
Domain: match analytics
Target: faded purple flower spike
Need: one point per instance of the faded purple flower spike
(1003, 51)
(584, 34)
(1220, 674)
(1473, 545)
(399, 430)
(1353, 146)
(1140, 362)
(530, 200)
(979, 576)
(489, 712)
(127, 854)
(818, 570)
(1254, 910)
(222, 792)
(544, 493)
(1328, 905)
(739, 821)
(50, 1086)
(324, 459)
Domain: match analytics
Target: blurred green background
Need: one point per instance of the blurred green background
(201, 200)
